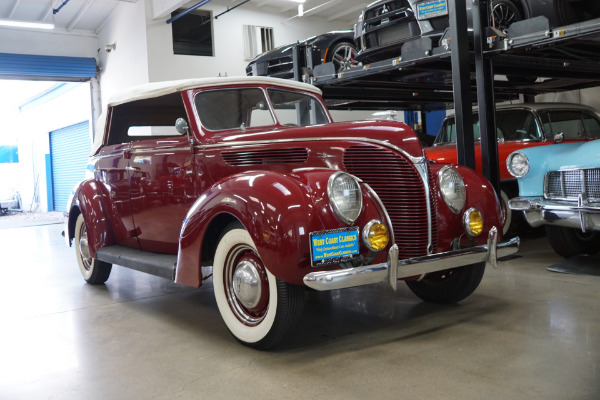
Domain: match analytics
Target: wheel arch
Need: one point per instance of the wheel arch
(258, 200)
(87, 200)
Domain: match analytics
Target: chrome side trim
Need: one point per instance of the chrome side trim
(159, 150)
(423, 171)
(359, 276)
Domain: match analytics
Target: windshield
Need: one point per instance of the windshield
(233, 108)
(297, 109)
(511, 125)
(248, 107)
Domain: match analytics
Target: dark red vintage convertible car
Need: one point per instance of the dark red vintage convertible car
(250, 176)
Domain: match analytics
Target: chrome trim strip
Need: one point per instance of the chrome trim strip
(159, 150)
(413, 159)
(388, 220)
(359, 276)
(422, 168)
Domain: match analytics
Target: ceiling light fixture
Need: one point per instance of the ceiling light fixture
(300, 10)
(13, 23)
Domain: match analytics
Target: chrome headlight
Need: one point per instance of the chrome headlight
(452, 188)
(517, 164)
(345, 196)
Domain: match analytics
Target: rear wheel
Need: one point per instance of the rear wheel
(570, 12)
(93, 271)
(569, 242)
(449, 286)
(259, 310)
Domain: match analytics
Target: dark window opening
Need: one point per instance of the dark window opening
(192, 33)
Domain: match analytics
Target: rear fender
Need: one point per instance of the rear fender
(87, 200)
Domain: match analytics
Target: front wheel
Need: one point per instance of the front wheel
(569, 242)
(449, 286)
(94, 271)
(259, 310)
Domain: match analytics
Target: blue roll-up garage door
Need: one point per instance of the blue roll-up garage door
(52, 68)
(69, 152)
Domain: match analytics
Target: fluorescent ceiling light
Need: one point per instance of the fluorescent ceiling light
(25, 24)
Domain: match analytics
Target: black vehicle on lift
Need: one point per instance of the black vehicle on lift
(336, 46)
(385, 25)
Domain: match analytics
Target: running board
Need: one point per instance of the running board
(162, 265)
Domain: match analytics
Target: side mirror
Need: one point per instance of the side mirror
(559, 137)
(181, 126)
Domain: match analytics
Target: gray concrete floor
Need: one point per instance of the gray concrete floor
(526, 333)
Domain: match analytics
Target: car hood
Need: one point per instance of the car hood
(395, 133)
(557, 157)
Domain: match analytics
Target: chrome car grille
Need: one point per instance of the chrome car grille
(400, 188)
(262, 157)
(568, 185)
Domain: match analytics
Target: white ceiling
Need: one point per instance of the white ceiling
(91, 15)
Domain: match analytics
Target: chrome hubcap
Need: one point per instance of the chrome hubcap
(84, 250)
(246, 284)
(245, 278)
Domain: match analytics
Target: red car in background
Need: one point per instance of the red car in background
(520, 126)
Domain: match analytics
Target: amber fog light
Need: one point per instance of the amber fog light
(375, 235)
(473, 222)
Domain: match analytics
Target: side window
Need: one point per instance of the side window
(145, 119)
(293, 108)
(592, 125)
(569, 123)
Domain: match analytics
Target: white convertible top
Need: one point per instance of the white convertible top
(155, 89)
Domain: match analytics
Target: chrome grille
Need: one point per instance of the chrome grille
(400, 188)
(568, 185)
(261, 157)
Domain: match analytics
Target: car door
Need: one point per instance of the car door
(162, 188)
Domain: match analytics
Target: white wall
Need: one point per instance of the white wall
(127, 65)
(48, 43)
(228, 41)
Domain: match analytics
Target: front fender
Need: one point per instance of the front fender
(278, 210)
(87, 200)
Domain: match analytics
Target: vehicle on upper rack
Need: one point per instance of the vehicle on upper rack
(385, 25)
(337, 47)
(250, 176)
(559, 187)
(520, 126)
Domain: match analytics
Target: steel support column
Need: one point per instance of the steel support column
(461, 81)
(485, 94)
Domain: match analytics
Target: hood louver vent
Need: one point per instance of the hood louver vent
(262, 157)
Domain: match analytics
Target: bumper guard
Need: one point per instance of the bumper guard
(395, 269)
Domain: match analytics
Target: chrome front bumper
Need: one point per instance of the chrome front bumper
(539, 211)
(395, 269)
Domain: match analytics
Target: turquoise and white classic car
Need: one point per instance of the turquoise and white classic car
(559, 187)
